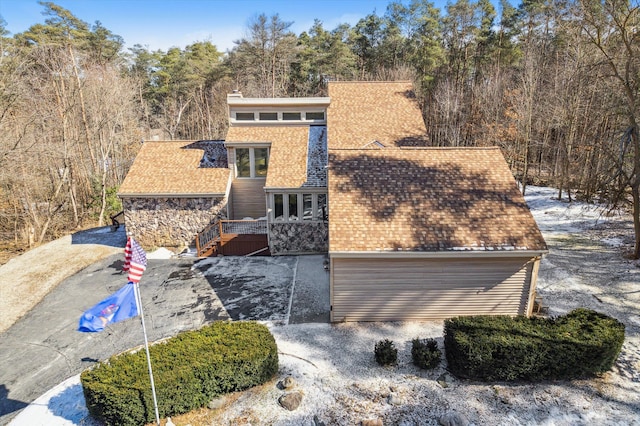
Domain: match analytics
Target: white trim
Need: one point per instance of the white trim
(279, 102)
(169, 195)
(452, 254)
(298, 190)
(240, 144)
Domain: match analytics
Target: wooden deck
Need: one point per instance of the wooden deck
(234, 238)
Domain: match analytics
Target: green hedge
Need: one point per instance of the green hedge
(580, 344)
(189, 370)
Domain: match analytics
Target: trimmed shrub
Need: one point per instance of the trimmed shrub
(425, 353)
(386, 352)
(189, 370)
(580, 344)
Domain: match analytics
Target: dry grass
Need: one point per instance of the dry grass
(207, 417)
(9, 250)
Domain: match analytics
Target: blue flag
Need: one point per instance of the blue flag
(117, 307)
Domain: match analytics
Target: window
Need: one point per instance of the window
(293, 207)
(307, 206)
(322, 213)
(315, 115)
(243, 162)
(261, 161)
(291, 116)
(278, 207)
(245, 116)
(252, 162)
(264, 116)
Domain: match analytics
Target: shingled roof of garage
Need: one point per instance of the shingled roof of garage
(427, 199)
(363, 113)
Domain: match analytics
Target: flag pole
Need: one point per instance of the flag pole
(146, 346)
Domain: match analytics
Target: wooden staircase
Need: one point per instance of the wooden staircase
(208, 240)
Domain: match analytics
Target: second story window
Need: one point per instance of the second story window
(315, 115)
(260, 161)
(245, 116)
(252, 162)
(268, 116)
(289, 116)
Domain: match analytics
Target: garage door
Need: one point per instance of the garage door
(428, 289)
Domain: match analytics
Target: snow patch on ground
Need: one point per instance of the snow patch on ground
(63, 405)
(560, 216)
(161, 253)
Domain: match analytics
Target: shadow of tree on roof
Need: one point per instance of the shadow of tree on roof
(446, 206)
(421, 141)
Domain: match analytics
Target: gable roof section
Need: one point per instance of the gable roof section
(288, 153)
(427, 200)
(363, 112)
(172, 169)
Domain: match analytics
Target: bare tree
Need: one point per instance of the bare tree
(612, 26)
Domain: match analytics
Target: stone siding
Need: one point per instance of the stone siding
(302, 237)
(170, 222)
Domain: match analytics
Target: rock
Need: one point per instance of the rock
(216, 403)
(287, 383)
(453, 418)
(317, 421)
(169, 422)
(290, 401)
(373, 422)
(445, 380)
(395, 399)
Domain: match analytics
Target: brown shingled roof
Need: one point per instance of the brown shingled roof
(288, 154)
(363, 112)
(426, 200)
(170, 168)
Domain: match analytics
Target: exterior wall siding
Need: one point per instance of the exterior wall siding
(300, 237)
(429, 289)
(170, 222)
(248, 198)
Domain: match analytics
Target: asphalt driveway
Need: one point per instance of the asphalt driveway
(43, 348)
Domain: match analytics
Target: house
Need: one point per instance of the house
(412, 232)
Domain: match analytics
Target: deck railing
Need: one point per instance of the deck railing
(209, 237)
(255, 227)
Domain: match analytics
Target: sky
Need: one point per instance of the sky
(161, 24)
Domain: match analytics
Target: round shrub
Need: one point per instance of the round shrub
(425, 353)
(386, 353)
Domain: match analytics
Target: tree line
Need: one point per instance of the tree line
(554, 83)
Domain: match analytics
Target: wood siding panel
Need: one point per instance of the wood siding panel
(428, 289)
(248, 198)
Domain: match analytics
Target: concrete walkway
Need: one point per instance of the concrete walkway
(43, 348)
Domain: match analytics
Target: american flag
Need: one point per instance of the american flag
(137, 263)
(127, 256)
